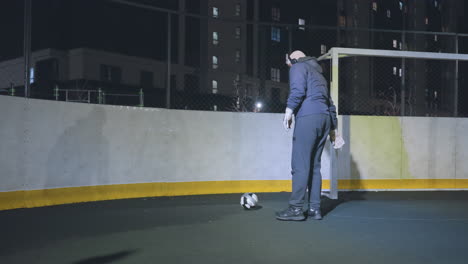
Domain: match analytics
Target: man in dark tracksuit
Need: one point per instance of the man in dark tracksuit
(315, 113)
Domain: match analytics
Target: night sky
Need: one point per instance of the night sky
(103, 25)
(84, 23)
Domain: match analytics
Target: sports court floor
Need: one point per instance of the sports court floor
(372, 227)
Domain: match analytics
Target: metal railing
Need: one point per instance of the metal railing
(95, 96)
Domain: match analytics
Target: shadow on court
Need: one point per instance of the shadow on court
(328, 205)
(39, 226)
(111, 258)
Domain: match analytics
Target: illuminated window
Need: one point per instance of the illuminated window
(389, 14)
(275, 74)
(275, 34)
(301, 23)
(426, 21)
(374, 6)
(238, 10)
(215, 62)
(238, 56)
(323, 49)
(214, 86)
(395, 43)
(401, 5)
(31, 75)
(238, 32)
(215, 12)
(215, 38)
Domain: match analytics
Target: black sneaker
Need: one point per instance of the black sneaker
(291, 214)
(314, 214)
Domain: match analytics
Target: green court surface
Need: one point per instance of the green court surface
(371, 227)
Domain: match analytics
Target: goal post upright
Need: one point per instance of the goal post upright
(334, 95)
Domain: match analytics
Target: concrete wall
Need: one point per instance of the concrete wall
(404, 153)
(49, 145)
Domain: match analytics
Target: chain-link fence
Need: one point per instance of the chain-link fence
(133, 53)
(396, 86)
(11, 52)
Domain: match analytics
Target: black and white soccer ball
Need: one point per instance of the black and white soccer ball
(249, 200)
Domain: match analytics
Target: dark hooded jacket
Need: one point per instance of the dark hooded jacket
(309, 91)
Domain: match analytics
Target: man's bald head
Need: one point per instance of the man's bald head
(295, 55)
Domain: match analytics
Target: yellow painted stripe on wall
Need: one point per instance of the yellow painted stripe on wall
(404, 184)
(47, 197)
(461, 184)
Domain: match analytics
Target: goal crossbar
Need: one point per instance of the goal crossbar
(346, 52)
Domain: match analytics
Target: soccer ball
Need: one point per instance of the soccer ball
(249, 200)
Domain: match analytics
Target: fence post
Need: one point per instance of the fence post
(27, 46)
(169, 61)
(56, 93)
(99, 96)
(455, 93)
(141, 98)
(12, 89)
(334, 91)
(403, 79)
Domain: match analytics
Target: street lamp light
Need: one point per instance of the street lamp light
(258, 106)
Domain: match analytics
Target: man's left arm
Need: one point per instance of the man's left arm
(297, 86)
